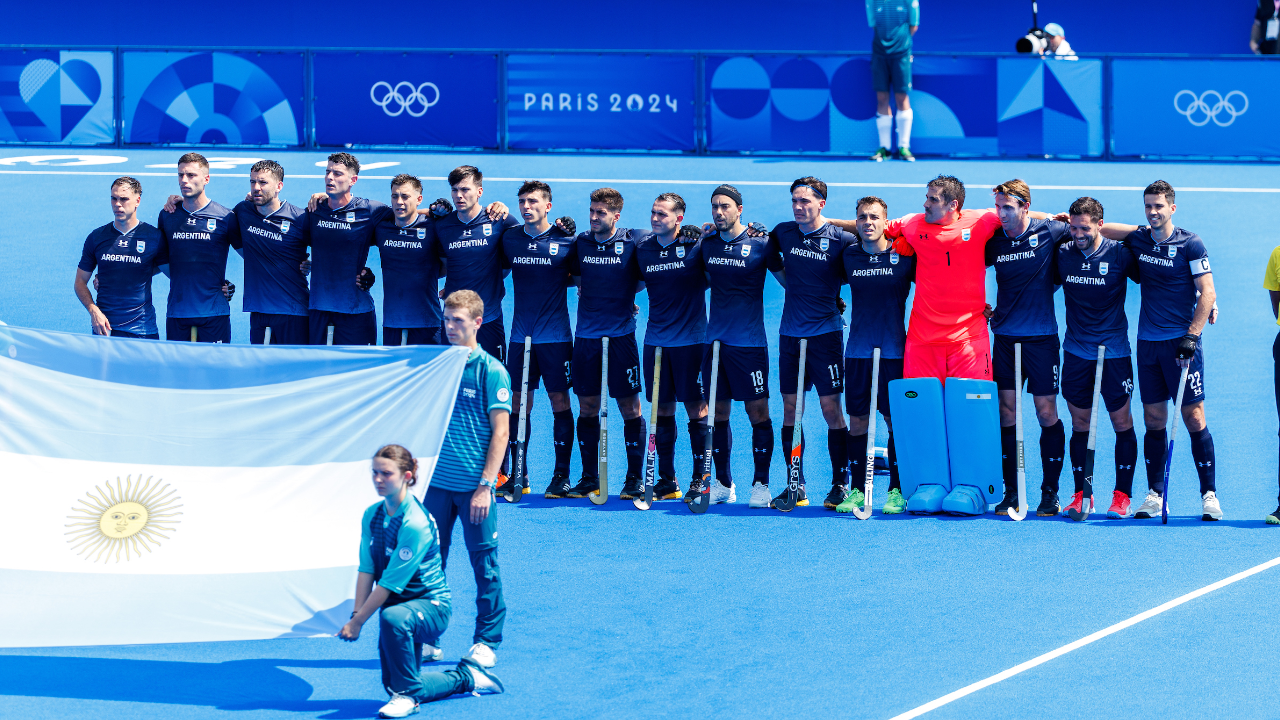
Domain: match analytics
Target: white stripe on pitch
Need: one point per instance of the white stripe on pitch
(1034, 662)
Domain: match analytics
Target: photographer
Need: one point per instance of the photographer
(1056, 43)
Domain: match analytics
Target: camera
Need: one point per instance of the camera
(1035, 41)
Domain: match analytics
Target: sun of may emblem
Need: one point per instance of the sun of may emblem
(122, 521)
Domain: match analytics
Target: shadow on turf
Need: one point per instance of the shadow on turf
(738, 509)
(262, 684)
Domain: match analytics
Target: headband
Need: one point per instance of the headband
(814, 189)
(729, 192)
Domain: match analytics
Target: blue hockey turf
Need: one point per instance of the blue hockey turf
(743, 613)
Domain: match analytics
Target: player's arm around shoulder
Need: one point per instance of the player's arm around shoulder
(1117, 231)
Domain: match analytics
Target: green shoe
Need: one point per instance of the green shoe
(881, 155)
(895, 503)
(1274, 518)
(854, 501)
(905, 154)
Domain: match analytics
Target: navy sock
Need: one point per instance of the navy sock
(1126, 460)
(562, 440)
(1053, 446)
(1202, 453)
(721, 449)
(838, 450)
(1079, 445)
(762, 449)
(633, 436)
(1153, 446)
(1009, 458)
(698, 445)
(895, 480)
(857, 445)
(666, 442)
(788, 436)
(589, 445)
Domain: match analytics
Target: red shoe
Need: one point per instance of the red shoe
(1077, 509)
(1119, 505)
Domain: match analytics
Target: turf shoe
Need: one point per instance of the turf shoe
(721, 494)
(632, 489)
(1150, 506)
(855, 500)
(894, 503)
(559, 487)
(1048, 504)
(1076, 509)
(481, 655)
(1274, 517)
(483, 682)
(802, 498)
(503, 486)
(759, 495)
(1010, 502)
(1212, 510)
(399, 706)
(666, 489)
(585, 487)
(695, 489)
(838, 495)
(881, 155)
(905, 154)
(1119, 505)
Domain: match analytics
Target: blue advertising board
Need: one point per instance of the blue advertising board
(601, 102)
(825, 103)
(1050, 107)
(1195, 107)
(57, 96)
(399, 98)
(214, 98)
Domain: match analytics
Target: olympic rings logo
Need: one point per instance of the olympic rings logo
(1199, 110)
(404, 96)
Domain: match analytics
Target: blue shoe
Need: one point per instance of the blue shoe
(964, 500)
(926, 500)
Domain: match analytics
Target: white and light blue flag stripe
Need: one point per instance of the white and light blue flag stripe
(181, 492)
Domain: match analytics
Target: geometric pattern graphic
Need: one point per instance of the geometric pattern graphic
(1050, 107)
(57, 96)
(215, 98)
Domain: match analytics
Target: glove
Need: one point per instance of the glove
(228, 289)
(366, 279)
(567, 224)
(756, 229)
(691, 232)
(1187, 346)
(440, 207)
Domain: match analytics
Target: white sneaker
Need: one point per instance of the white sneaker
(1212, 510)
(1150, 507)
(721, 494)
(481, 655)
(431, 653)
(400, 706)
(760, 497)
(483, 682)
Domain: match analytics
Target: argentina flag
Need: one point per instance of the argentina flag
(178, 492)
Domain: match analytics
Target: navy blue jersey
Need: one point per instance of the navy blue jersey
(677, 287)
(340, 239)
(274, 247)
(1024, 279)
(125, 265)
(410, 273)
(198, 245)
(540, 272)
(879, 284)
(814, 277)
(609, 277)
(472, 252)
(736, 273)
(1094, 288)
(1167, 273)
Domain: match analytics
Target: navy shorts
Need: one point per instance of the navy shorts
(127, 334)
(624, 366)
(891, 71)
(1158, 372)
(681, 372)
(391, 336)
(857, 389)
(1117, 381)
(553, 361)
(215, 329)
(823, 368)
(492, 337)
(348, 328)
(285, 329)
(1040, 363)
(744, 373)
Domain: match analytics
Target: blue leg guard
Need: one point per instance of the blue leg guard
(927, 500)
(920, 433)
(973, 439)
(964, 500)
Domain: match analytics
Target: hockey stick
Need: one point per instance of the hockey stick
(516, 492)
(329, 340)
(870, 459)
(404, 340)
(788, 501)
(702, 500)
(1019, 513)
(266, 336)
(194, 335)
(600, 496)
(1086, 498)
(651, 453)
(1168, 452)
